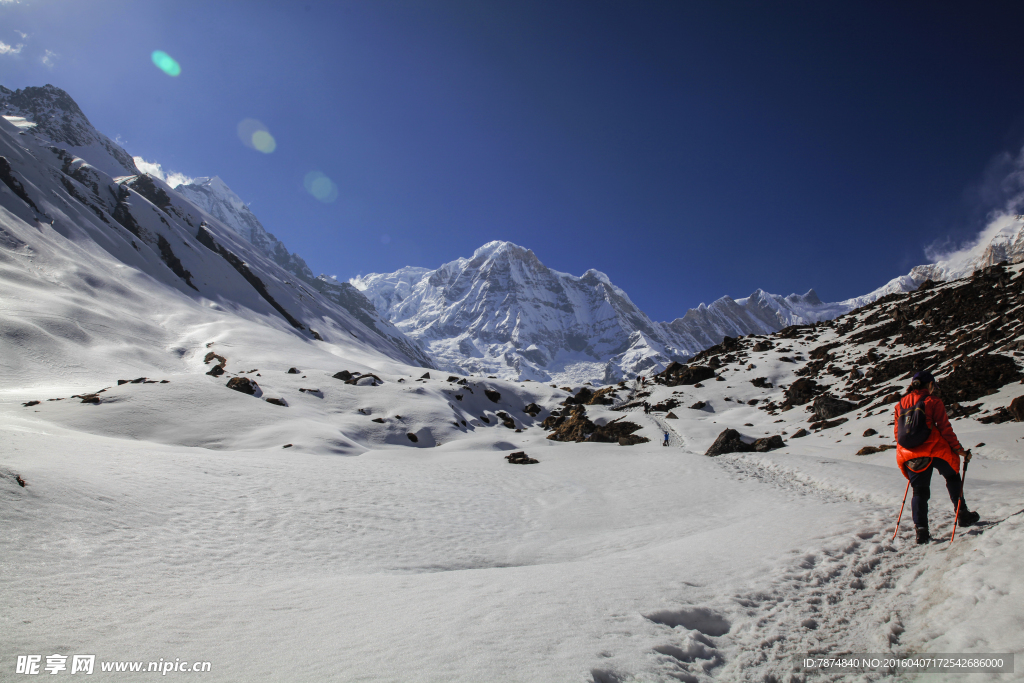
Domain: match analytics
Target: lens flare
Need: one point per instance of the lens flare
(255, 135)
(320, 186)
(264, 141)
(166, 63)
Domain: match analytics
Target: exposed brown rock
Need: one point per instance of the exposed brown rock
(30, 404)
(412, 437)
(533, 410)
(1016, 408)
(493, 395)
(242, 384)
(278, 402)
(520, 458)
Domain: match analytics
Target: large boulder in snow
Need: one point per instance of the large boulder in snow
(729, 441)
(243, 384)
(677, 374)
(1017, 408)
(827, 407)
(801, 391)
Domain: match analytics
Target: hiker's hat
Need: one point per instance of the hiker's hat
(924, 378)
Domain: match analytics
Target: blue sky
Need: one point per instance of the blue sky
(687, 149)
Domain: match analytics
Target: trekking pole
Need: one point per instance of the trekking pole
(897, 530)
(962, 478)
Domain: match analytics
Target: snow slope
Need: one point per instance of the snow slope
(170, 521)
(59, 201)
(374, 531)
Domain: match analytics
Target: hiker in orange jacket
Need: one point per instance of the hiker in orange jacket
(940, 451)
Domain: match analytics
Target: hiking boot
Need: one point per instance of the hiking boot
(967, 518)
(922, 535)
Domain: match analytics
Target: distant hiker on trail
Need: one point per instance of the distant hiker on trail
(925, 441)
(665, 442)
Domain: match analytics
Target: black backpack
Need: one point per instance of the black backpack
(911, 426)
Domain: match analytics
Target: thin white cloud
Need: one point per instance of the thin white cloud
(21, 33)
(49, 58)
(6, 49)
(1006, 182)
(172, 178)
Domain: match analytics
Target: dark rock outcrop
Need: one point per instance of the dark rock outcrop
(278, 402)
(493, 395)
(827, 407)
(729, 441)
(574, 425)
(533, 410)
(520, 458)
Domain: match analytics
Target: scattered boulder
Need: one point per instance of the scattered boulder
(520, 458)
(344, 375)
(378, 420)
(533, 410)
(426, 375)
(799, 433)
(699, 405)
(1000, 416)
(868, 450)
(221, 360)
(574, 425)
(369, 379)
(828, 424)
(451, 378)
(293, 371)
(762, 346)
(602, 397)
(665, 406)
(242, 384)
(89, 398)
(768, 443)
(493, 395)
(802, 391)
(870, 432)
(506, 419)
(216, 371)
(677, 374)
(581, 398)
(30, 404)
(287, 445)
(413, 437)
(826, 407)
(1016, 408)
(315, 392)
(486, 420)
(761, 383)
(729, 441)
(278, 402)
(459, 397)
(671, 416)
(21, 482)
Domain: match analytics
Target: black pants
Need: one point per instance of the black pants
(921, 483)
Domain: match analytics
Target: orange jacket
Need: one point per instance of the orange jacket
(941, 443)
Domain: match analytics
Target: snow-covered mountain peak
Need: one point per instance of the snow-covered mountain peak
(59, 120)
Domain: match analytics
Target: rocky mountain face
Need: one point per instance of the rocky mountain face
(503, 312)
(216, 198)
(56, 171)
(52, 115)
(969, 333)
